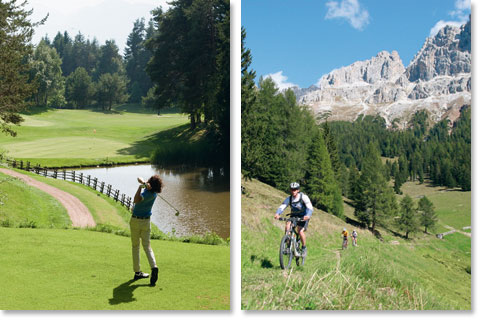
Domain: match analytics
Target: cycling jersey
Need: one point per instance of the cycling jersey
(300, 205)
(345, 234)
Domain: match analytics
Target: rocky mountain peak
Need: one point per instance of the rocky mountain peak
(437, 80)
(384, 66)
(445, 54)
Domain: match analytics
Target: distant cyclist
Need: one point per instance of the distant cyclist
(345, 238)
(354, 238)
(301, 206)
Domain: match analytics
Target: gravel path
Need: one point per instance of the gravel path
(78, 212)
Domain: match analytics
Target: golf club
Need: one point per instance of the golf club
(176, 210)
(141, 181)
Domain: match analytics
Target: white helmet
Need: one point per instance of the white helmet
(294, 185)
(344, 229)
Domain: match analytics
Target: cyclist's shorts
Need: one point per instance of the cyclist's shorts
(303, 224)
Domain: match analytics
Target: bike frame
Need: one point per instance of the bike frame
(293, 234)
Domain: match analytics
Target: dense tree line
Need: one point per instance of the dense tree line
(190, 64)
(440, 151)
(78, 73)
(281, 142)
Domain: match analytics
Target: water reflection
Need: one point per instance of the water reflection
(201, 195)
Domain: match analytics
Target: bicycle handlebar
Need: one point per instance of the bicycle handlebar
(291, 218)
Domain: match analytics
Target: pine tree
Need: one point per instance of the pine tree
(407, 221)
(374, 204)
(320, 179)
(428, 218)
(16, 32)
(136, 57)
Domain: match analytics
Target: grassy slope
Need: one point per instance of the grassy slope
(85, 137)
(26, 203)
(46, 269)
(424, 273)
(16, 199)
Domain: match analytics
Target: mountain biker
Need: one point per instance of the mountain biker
(354, 238)
(301, 206)
(345, 238)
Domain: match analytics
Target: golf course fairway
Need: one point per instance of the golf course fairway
(55, 269)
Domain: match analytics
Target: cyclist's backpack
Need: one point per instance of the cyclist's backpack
(301, 200)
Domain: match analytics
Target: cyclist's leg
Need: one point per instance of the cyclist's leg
(303, 237)
(287, 226)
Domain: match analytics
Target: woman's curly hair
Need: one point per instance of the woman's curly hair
(156, 183)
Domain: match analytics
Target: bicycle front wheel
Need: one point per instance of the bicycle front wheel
(301, 260)
(286, 253)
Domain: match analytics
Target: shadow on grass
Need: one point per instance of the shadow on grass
(124, 292)
(143, 148)
(265, 263)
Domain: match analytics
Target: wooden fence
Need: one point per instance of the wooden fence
(77, 177)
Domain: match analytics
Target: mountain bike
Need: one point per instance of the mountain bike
(344, 243)
(290, 246)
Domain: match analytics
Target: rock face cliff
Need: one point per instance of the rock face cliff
(438, 79)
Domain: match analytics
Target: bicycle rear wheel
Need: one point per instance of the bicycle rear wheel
(285, 253)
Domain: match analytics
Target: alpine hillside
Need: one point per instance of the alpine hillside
(438, 80)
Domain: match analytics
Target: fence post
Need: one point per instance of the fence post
(28, 166)
(116, 194)
(109, 188)
(88, 181)
(14, 163)
(81, 177)
(102, 186)
(95, 183)
(55, 173)
(45, 172)
(64, 174)
(21, 164)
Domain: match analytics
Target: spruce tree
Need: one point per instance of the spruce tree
(320, 179)
(16, 32)
(428, 218)
(374, 204)
(407, 221)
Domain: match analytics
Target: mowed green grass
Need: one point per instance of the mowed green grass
(50, 269)
(84, 137)
(423, 273)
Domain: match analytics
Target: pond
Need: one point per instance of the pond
(201, 195)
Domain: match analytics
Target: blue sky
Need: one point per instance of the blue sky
(298, 41)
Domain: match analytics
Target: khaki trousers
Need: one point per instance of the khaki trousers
(140, 229)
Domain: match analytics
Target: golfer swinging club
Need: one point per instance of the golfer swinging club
(140, 225)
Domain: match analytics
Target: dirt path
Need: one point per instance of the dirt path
(78, 212)
(464, 233)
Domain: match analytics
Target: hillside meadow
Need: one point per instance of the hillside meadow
(391, 273)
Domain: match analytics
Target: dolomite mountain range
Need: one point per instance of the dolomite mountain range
(438, 80)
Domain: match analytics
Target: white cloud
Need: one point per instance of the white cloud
(281, 80)
(462, 4)
(350, 10)
(460, 14)
(441, 24)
